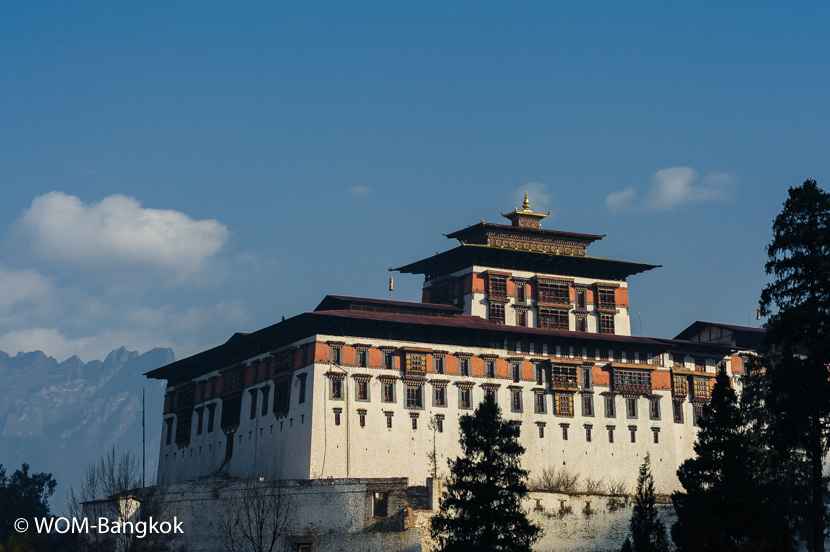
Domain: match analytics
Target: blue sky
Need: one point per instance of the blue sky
(172, 173)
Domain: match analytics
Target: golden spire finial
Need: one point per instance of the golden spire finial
(526, 204)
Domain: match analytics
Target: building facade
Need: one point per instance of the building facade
(371, 388)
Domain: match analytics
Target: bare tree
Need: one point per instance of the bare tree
(257, 516)
(111, 488)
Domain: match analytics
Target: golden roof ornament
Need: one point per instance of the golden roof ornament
(525, 218)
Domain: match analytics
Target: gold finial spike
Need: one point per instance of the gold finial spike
(526, 204)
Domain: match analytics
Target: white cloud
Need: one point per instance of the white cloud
(538, 195)
(672, 188)
(118, 232)
(17, 286)
(362, 191)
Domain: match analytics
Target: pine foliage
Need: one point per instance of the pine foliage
(798, 304)
(481, 510)
(727, 505)
(648, 534)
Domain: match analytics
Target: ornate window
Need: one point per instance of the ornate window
(337, 412)
(702, 391)
(556, 319)
(564, 431)
(283, 363)
(516, 372)
(416, 363)
(361, 414)
(553, 293)
(438, 361)
(362, 358)
(498, 286)
(679, 386)
(442, 293)
(606, 323)
(562, 375)
(563, 404)
(496, 312)
(632, 380)
(700, 365)
(606, 299)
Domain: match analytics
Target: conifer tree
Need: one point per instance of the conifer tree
(481, 510)
(798, 304)
(726, 505)
(648, 534)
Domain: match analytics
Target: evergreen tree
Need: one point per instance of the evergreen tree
(481, 510)
(23, 495)
(725, 506)
(799, 393)
(648, 534)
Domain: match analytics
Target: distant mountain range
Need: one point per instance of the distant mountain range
(60, 417)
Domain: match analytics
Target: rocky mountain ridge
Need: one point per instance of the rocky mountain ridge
(60, 416)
